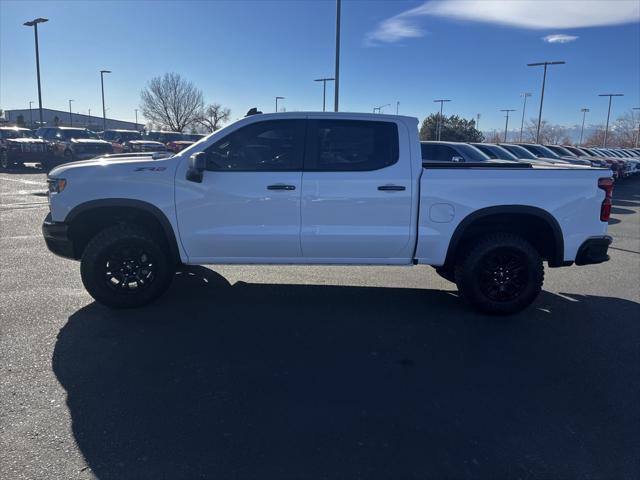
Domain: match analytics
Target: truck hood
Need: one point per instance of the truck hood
(145, 142)
(25, 140)
(102, 164)
(91, 141)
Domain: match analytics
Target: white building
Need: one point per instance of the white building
(31, 118)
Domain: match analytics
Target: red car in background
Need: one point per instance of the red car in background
(119, 138)
(179, 145)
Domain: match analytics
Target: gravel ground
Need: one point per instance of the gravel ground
(314, 372)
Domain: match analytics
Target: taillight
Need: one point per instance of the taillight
(606, 184)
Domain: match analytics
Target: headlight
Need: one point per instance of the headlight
(56, 185)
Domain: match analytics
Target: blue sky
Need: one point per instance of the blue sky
(242, 54)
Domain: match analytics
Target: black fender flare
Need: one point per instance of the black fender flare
(557, 259)
(147, 207)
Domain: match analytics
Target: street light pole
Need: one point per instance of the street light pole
(506, 125)
(477, 121)
(324, 89)
(136, 110)
(584, 114)
(70, 115)
(397, 106)
(524, 107)
(34, 24)
(278, 98)
(337, 75)
(439, 127)
(104, 111)
(637, 134)
(606, 129)
(544, 80)
(30, 115)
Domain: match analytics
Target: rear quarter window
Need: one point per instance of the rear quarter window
(351, 145)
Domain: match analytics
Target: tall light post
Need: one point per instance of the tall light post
(506, 125)
(439, 127)
(278, 98)
(397, 107)
(637, 134)
(30, 115)
(524, 106)
(104, 111)
(324, 89)
(584, 115)
(477, 121)
(606, 129)
(337, 75)
(136, 110)
(70, 114)
(34, 24)
(544, 80)
(89, 121)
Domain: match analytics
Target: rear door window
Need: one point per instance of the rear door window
(350, 145)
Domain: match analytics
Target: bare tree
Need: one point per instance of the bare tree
(625, 130)
(172, 102)
(549, 134)
(495, 137)
(214, 116)
(596, 139)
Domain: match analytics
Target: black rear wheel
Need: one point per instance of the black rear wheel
(125, 267)
(501, 274)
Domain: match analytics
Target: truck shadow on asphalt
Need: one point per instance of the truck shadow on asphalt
(295, 381)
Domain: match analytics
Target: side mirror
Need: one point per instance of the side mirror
(197, 165)
(457, 159)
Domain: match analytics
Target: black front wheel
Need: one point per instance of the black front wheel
(500, 274)
(125, 267)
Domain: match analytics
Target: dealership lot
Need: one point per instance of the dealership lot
(314, 372)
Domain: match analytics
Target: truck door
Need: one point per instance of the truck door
(248, 204)
(356, 191)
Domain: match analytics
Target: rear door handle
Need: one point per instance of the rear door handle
(392, 188)
(281, 187)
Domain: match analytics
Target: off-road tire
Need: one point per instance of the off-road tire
(97, 268)
(500, 274)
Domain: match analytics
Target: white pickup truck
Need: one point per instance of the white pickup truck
(324, 189)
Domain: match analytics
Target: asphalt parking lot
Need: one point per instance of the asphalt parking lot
(314, 372)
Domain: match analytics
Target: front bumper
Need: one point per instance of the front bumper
(56, 237)
(594, 250)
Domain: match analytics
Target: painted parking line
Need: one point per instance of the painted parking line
(22, 180)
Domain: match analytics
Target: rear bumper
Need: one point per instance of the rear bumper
(56, 237)
(594, 250)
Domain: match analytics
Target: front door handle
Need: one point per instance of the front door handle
(392, 188)
(281, 187)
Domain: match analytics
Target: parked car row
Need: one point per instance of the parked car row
(50, 146)
(623, 162)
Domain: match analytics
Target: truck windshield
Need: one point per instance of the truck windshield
(79, 133)
(472, 153)
(495, 151)
(519, 152)
(16, 133)
(561, 150)
(126, 136)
